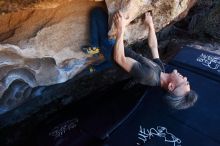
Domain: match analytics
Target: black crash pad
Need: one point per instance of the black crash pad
(154, 124)
(89, 121)
(198, 61)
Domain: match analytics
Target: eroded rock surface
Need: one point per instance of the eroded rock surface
(19, 73)
(163, 12)
(41, 47)
(7, 6)
(41, 39)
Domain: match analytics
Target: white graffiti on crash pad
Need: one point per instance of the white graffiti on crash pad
(212, 62)
(64, 127)
(146, 134)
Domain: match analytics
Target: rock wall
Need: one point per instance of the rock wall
(41, 47)
(41, 39)
(7, 6)
(163, 12)
(205, 19)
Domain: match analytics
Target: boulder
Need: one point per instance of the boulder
(41, 47)
(163, 12)
(205, 20)
(41, 39)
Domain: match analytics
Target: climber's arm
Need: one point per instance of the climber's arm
(119, 56)
(152, 39)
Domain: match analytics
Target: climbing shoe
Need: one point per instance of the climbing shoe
(90, 50)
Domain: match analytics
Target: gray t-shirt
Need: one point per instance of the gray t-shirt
(144, 70)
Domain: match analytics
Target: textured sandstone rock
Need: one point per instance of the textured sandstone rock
(40, 40)
(163, 12)
(41, 47)
(7, 6)
(19, 73)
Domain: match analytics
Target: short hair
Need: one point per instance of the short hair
(181, 102)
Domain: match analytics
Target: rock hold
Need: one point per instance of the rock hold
(163, 13)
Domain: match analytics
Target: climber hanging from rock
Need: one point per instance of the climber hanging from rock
(143, 70)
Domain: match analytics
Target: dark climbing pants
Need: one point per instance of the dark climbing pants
(99, 37)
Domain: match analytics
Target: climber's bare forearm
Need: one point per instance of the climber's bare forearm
(152, 39)
(119, 56)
